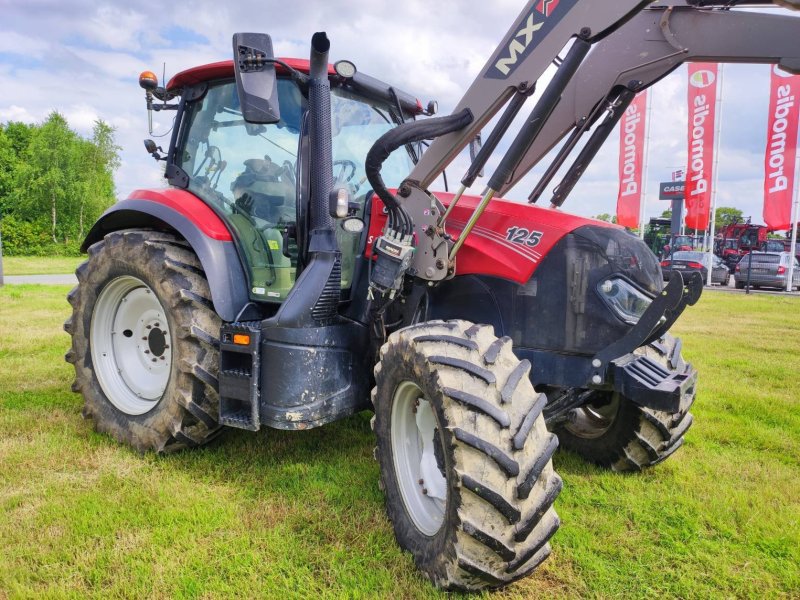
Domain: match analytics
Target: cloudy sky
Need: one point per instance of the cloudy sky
(82, 58)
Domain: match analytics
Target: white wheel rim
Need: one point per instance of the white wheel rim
(413, 433)
(131, 345)
(591, 422)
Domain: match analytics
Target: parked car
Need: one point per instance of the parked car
(768, 269)
(774, 246)
(689, 261)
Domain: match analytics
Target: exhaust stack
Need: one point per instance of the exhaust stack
(314, 299)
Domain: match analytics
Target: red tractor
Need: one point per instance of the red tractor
(738, 239)
(298, 270)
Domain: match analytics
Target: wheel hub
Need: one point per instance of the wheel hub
(593, 420)
(418, 458)
(131, 345)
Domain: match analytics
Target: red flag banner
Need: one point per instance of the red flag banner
(702, 117)
(631, 157)
(779, 156)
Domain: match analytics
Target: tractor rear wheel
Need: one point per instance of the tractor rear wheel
(616, 433)
(464, 455)
(145, 342)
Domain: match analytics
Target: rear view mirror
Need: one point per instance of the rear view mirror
(256, 83)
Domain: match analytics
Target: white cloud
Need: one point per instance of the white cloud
(82, 58)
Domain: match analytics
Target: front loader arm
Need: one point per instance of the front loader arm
(533, 41)
(415, 240)
(647, 48)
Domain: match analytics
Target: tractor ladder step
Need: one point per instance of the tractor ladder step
(239, 372)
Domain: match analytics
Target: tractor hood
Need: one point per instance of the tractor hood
(511, 238)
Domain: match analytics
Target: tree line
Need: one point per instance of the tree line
(724, 215)
(54, 184)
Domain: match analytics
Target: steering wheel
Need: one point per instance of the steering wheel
(347, 169)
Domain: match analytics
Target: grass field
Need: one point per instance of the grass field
(282, 515)
(40, 265)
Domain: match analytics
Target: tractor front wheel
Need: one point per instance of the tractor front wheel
(615, 432)
(464, 455)
(144, 342)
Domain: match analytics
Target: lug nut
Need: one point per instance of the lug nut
(144, 338)
(162, 358)
(149, 327)
(424, 491)
(147, 351)
(421, 481)
(154, 360)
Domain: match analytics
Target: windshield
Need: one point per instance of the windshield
(356, 124)
(694, 256)
(773, 259)
(249, 173)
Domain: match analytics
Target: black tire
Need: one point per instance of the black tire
(630, 437)
(493, 450)
(740, 285)
(186, 414)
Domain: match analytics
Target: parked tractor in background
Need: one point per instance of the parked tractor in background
(298, 270)
(735, 240)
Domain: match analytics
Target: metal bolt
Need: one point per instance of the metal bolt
(144, 338)
(439, 263)
(157, 325)
(149, 327)
(166, 346)
(163, 358)
(424, 491)
(147, 351)
(596, 363)
(154, 360)
(421, 481)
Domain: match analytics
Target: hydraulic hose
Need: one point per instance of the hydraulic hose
(401, 135)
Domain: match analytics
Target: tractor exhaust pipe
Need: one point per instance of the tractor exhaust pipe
(314, 299)
(310, 356)
(319, 106)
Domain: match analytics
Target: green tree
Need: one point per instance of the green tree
(46, 174)
(725, 215)
(8, 164)
(606, 217)
(61, 180)
(667, 214)
(100, 157)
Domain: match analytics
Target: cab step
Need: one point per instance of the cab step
(239, 374)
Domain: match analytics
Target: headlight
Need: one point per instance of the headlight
(625, 300)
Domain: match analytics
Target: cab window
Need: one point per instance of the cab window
(248, 173)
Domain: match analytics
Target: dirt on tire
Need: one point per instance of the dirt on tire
(187, 413)
(498, 516)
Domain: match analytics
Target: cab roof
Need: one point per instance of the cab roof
(224, 69)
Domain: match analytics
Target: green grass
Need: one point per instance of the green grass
(282, 515)
(40, 265)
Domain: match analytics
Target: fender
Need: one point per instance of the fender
(199, 225)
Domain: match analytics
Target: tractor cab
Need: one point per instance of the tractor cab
(255, 176)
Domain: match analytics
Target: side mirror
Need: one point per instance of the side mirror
(256, 82)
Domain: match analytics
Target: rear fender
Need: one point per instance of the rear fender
(199, 226)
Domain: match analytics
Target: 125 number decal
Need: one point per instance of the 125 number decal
(520, 235)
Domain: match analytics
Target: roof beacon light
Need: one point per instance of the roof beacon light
(148, 80)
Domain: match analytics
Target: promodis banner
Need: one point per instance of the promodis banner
(702, 99)
(781, 147)
(631, 155)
